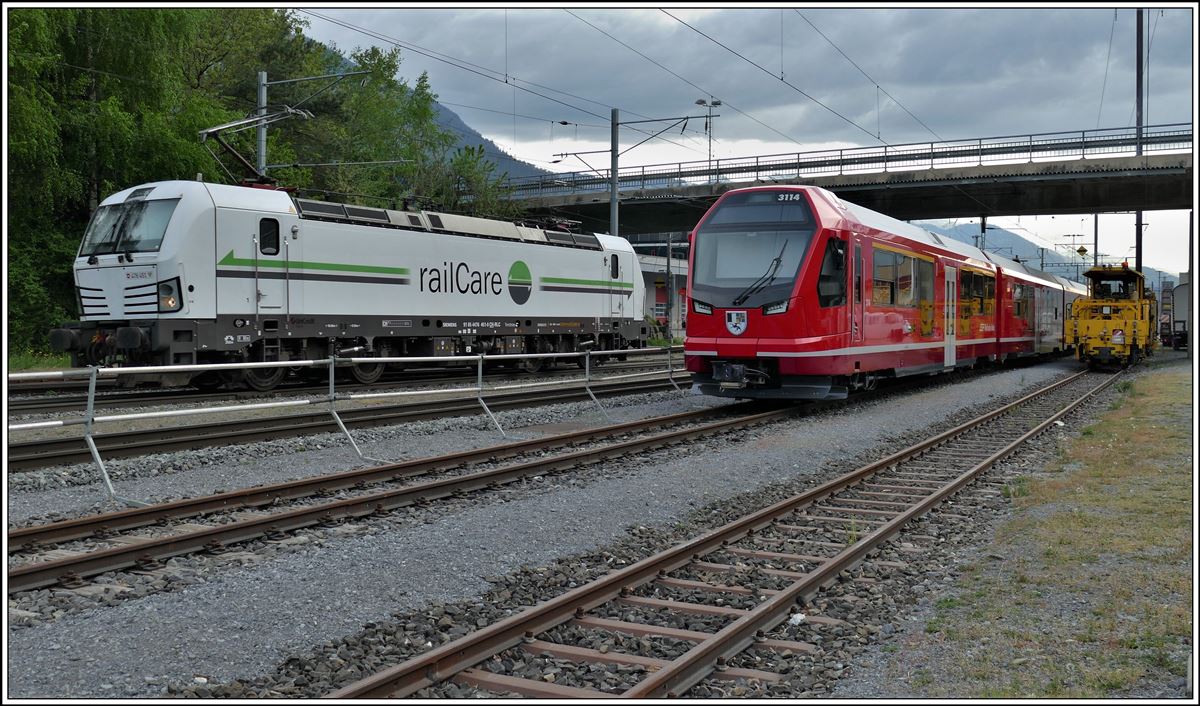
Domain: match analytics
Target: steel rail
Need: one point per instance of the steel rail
(453, 658)
(37, 454)
(83, 527)
(40, 574)
(696, 664)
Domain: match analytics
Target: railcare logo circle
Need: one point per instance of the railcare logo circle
(520, 282)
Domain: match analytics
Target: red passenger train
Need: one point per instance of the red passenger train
(794, 293)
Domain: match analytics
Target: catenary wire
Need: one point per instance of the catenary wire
(864, 73)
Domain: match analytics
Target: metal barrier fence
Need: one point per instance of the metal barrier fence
(89, 418)
(1050, 146)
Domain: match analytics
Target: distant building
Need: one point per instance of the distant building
(665, 297)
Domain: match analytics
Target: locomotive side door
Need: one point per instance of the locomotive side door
(616, 294)
(251, 263)
(270, 266)
(950, 322)
(856, 308)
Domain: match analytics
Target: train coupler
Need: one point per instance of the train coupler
(736, 376)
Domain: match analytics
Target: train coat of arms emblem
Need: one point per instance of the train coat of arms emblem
(736, 321)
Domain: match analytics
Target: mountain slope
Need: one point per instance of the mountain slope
(466, 136)
(1009, 244)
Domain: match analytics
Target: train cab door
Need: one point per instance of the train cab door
(856, 305)
(270, 267)
(950, 322)
(252, 265)
(616, 293)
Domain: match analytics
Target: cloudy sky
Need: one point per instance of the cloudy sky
(789, 79)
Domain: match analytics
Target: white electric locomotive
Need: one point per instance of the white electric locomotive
(183, 272)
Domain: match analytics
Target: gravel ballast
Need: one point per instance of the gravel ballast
(243, 622)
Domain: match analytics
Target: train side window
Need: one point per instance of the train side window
(1019, 301)
(884, 266)
(904, 281)
(858, 273)
(268, 236)
(925, 295)
(831, 283)
(614, 267)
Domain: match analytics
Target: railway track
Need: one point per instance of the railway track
(28, 455)
(733, 586)
(108, 398)
(45, 555)
(42, 561)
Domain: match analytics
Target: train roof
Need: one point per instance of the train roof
(277, 201)
(1109, 270)
(1024, 271)
(887, 224)
(1071, 285)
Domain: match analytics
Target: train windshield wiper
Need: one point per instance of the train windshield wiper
(766, 278)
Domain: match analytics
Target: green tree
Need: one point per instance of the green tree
(102, 99)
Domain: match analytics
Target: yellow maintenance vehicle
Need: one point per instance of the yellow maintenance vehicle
(1115, 324)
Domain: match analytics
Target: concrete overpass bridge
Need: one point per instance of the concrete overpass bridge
(1089, 171)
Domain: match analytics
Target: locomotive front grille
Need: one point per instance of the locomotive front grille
(117, 292)
(141, 299)
(92, 301)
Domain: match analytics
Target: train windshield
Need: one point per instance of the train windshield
(1111, 288)
(749, 250)
(133, 226)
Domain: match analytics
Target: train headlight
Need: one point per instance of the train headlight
(169, 298)
(701, 307)
(776, 308)
(1106, 310)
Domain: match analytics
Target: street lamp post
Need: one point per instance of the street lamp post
(708, 124)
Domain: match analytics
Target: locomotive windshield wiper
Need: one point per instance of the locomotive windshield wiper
(766, 278)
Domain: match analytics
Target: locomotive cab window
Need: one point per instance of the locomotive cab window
(133, 226)
(831, 283)
(268, 236)
(614, 267)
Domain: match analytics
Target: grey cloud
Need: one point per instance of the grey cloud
(963, 72)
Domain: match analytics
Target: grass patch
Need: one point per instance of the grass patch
(30, 360)
(662, 342)
(1094, 597)
(1016, 488)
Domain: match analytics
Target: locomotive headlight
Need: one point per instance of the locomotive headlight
(169, 298)
(776, 308)
(1106, 310)
(701, 307)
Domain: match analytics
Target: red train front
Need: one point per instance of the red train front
(796, 294)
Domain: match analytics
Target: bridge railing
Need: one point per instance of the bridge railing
(1012, 149)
